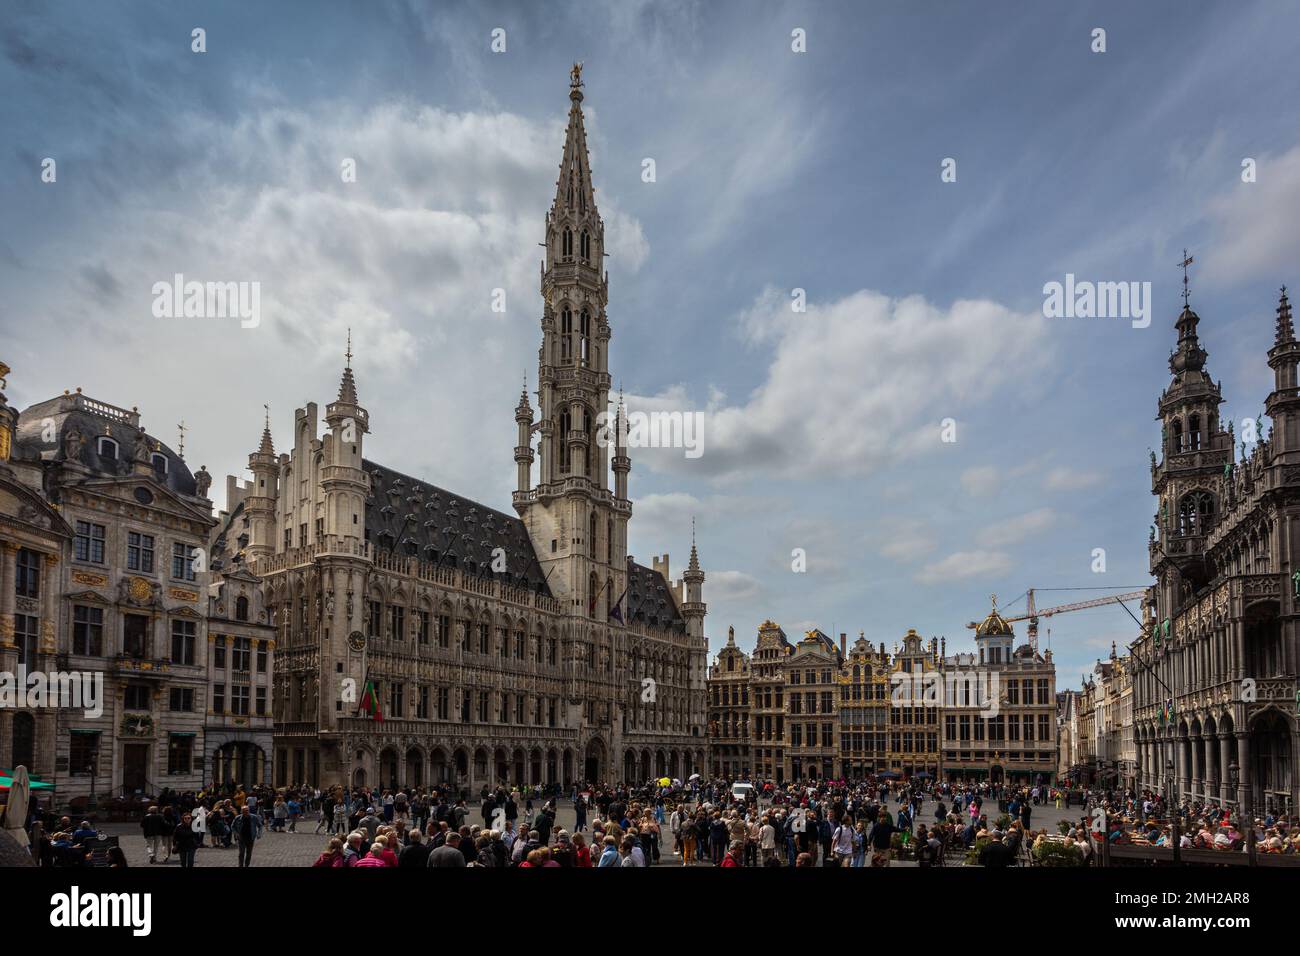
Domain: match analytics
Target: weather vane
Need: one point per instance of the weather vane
(348, 353)
(1187, 261)
(181, 447)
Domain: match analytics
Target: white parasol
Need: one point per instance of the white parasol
(14, 819)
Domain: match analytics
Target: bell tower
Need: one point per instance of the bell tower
(577, 523)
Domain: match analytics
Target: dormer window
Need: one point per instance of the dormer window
(106, 448)
(159, 463)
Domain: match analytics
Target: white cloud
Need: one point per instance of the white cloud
(1014, 530)
(446, 207)
(981, 481)
(1257, 238)
(962, 565)
(860, 382)
(1070, 479)
(732, 586)
(905, 539)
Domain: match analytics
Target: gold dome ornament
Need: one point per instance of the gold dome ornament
(140, 590)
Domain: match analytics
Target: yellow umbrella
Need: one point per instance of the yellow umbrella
(664, 782)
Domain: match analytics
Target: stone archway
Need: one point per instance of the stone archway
(1272, 772)
(414, 768)
(388, 768)
(593, 764)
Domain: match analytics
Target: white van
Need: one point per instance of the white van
(740, 791)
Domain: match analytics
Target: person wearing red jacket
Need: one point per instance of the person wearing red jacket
(733, 854)
(581, 852)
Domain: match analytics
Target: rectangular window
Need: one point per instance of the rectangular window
(422, 704)
(218, 698)
(26, 634)
(181, 699)
(261, 702)
(27, 577)
(183, 642)
(88, 630)
(139, 552)
(397, 700)
(137, 697)
(375, 619)
(262, 657)
(422, 627)
(444, 631)
(444, 704)
(183, 561)
(219, 653)
(180, 753)
(88, 545)
(239, 700)
(83, 753)
(241, 655)
(396, 621)
(135, 635)
(465, 707)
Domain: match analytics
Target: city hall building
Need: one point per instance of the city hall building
(423, 637)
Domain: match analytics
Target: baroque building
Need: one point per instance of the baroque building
(497, 648)
(729, 712)
(1214, 686)
(864, 709)
(999, 709)
(101, 526)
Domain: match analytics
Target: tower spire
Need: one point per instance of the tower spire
(348, 386)
(1285, 329)
(267, 447)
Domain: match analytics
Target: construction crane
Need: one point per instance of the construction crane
(1033, 614)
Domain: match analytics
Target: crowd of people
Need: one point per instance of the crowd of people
(802, 824)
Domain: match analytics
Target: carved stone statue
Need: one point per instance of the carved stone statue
(73, 442)
(142, 449)
(202, 481)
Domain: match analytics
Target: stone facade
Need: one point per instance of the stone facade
(100, 528)
(999, 713)
(1214, 689)
(498, 649)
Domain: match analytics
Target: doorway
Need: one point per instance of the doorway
(135, 767)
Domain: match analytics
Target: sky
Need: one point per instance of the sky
(776, 169)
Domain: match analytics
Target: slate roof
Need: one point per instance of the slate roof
(408, 516)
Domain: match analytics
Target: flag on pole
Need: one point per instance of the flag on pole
(616, 612)
(591, 605)
(370, 701)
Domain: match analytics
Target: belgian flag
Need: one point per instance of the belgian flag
(370, 701)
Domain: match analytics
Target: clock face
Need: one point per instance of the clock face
(357, 641)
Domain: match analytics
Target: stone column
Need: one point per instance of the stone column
(1198, 765)
(1184, 745)
(1211, 768)
(1226, 796)
(8, 573)
(49, 604)
(1244, 796)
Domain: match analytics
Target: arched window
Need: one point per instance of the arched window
(584, 331)
(586, 245)
(593, 590)
(241, 608)
(159, 463)
(106, 448)
(1194, 433)
(1195, 513)
(566, 334)
(563, 439)
(568, 242)
(1176, 434)
(609, 540)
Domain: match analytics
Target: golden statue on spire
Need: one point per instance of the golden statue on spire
(575, 76)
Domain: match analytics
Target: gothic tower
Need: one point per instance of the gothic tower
(340, 599)
(1188, 480)
(578, 527)
(1283, 405)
